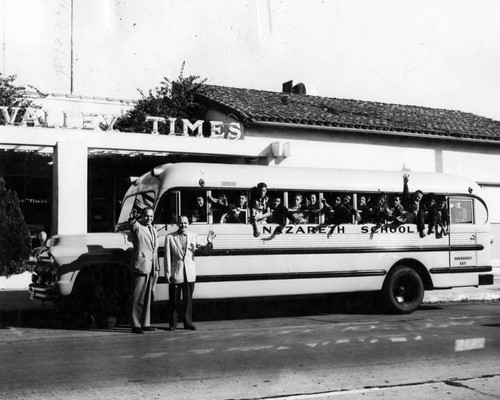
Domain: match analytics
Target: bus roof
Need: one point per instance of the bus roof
(236, 176)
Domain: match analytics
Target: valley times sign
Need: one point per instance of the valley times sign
(92, 121)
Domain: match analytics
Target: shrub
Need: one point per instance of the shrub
(13, 96)
(175, 99)
(15, 244)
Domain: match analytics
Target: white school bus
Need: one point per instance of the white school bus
(315, 256)
(293, 256)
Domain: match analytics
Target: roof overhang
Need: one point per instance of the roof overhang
(45, 139)
(347, 129)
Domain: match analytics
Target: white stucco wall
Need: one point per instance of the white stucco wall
(69, 213)
(358, 156)
(481, 167)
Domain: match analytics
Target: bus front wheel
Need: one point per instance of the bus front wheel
(99, 298)
(403, 290)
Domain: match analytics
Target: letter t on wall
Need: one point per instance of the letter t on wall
(155, 123)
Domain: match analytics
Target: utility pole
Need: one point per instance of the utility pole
(71, 61)
(4, 51)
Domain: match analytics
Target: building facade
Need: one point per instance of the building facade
(71, 170)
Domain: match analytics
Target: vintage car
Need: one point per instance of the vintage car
(85, 276)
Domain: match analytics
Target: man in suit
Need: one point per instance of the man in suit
(180, 270)
(145, 269)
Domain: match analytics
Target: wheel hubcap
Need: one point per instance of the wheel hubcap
(404, 291)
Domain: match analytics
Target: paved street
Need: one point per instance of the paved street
(440, 351)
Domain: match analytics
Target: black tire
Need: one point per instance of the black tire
(99, 299)
(71, 314)
(403, 290)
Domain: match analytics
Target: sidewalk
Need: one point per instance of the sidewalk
(481, 293)
(19, 300)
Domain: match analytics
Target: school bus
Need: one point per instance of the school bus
(314, 254)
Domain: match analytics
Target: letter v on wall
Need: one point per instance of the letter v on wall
(8, 118)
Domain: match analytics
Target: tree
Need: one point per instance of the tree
(12, 96)
(15, 244)
(169, 100)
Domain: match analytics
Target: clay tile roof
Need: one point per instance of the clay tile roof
(254, 106)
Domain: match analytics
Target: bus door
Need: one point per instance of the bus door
(463, 233)
(167, 209)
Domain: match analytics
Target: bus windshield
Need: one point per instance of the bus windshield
(135, 204)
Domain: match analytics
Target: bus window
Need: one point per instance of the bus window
(380, 208)
(194, 206)
(338, 208)
(442, 216)
(144, 200)
(127, 205)
(364, 208)
(134, 205)
(277, 207)
(166, 209)
(312, 207)
(237, 213)
(396, 212)
(297, 209)
(229, 206)
(461, 211)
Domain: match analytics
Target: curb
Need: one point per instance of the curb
(464, 294)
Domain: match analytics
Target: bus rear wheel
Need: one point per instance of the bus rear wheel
(403, 290)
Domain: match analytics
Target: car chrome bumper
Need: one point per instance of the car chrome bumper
(41, 292)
